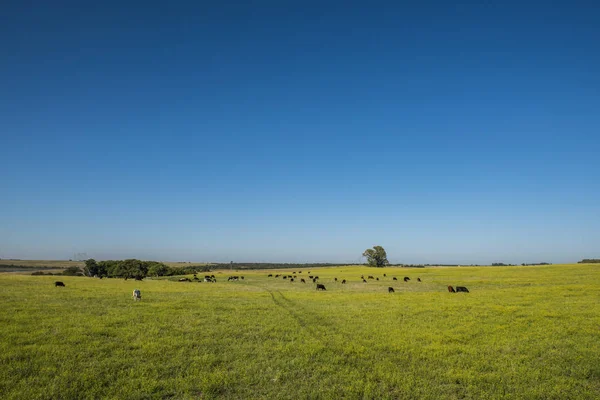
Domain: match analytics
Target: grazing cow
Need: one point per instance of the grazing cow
(451, 289)
(292, 280)
(390, 290)
(302, 280)
(241, 277)
(462, 289)
(320, 286)
(138, 278)
(364, 281)
(270, 276)
(384, 275)
(137, 295)
(344, 282)
(314, 280)
(316, 277)
(406, 279)
(285, 277)
(58, 283)
(294, 272)
(362, 277)
(377, 278)
(196, 278)
(370, 277)
(299, 272)
(277, 276)
(394, 278)
(335, 279)
(418, 279)
(310, 276)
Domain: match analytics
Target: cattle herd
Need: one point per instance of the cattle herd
(292, 278)
(320, 286)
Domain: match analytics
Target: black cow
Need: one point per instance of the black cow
(58, 283)
(451, 289)
(377, 278)
(241, 277)
(370, 277)
(418, 279)
(320, 286)
(384, 275)
(462, 289)
(302, 280)
(390, 290)
(335, 279)
(364, 281)
(344, 282)
(406, 279)
(292, 280)
(285, 277)
(310, 276)
(394, 278)
(270, 276)
(314, 280)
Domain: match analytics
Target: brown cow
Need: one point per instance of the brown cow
(451, 289)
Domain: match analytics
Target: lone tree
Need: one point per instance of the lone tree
(376, 257)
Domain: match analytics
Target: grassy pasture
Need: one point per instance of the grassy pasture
(522, 332)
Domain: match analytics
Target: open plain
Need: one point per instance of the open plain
(521, 332)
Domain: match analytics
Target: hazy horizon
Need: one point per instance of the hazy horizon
(271, 132)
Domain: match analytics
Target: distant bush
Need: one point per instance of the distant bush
(72, 271)
(590, 261)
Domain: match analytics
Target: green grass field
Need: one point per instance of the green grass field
(522, 333)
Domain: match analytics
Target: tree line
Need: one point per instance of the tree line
(136, 269)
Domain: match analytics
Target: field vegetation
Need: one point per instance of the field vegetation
(521, 332)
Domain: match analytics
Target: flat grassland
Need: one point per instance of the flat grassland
(522, 332)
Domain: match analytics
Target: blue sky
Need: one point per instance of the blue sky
(300, 131)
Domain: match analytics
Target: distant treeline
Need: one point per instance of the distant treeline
(273, 265)
(590, 261)
(12, 266)
(542, 263)
(136, 269)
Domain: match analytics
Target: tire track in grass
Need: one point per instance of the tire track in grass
(307, 320)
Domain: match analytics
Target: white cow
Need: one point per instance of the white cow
(137, 295)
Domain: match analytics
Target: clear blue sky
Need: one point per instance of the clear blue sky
(300, 131)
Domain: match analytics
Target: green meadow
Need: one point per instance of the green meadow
(521, 333)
